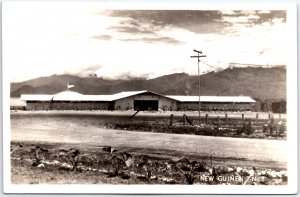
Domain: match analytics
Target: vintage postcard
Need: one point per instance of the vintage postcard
(170, 98)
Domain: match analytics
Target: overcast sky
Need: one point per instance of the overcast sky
(42, 39)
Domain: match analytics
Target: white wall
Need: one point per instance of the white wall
(124, 104)
(167, 104)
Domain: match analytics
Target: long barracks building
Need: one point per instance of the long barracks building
(135, 100)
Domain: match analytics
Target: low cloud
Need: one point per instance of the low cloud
(102, 37)
(118, 74)
(166, 40)
(131, 29)
(91, 68)
(84, 71)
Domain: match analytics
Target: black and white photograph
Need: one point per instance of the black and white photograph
(149, 98)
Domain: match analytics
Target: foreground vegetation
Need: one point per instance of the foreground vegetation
(37, 163)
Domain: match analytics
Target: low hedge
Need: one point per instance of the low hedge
(245, 130)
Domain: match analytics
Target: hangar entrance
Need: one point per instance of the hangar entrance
(146, 105)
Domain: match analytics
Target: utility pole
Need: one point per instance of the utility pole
(198, 57)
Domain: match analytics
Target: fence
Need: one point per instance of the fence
(206, 117)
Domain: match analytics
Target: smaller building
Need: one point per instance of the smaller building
(67, 100)
(214, 103)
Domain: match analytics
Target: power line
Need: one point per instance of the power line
(218, 67)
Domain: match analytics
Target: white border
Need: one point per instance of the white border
(291, 188)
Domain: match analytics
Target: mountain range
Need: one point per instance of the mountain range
(257, 82)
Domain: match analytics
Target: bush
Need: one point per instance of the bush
(246, 128)
(231, 128)
(190, 169)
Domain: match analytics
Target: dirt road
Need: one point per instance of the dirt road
(85, 130)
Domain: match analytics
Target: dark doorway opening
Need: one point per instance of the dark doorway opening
(111, 106)
(145, 105)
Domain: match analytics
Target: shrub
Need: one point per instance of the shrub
(281, 127)
(190, 169)
(37, 155)
(18, 147)
(246, 128)
(164, 108)
(149, 167)
(116, 164)
(71, 157)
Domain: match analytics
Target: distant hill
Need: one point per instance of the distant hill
(24, 89)
(259, 83)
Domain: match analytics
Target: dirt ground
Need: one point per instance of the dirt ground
(86, 132)
(89, 130)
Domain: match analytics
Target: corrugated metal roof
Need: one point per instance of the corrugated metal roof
(68, 96)
(35, 97)
(236, 99)
(126, 94)
(65, 96)
(75, 96)
(96, 98)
